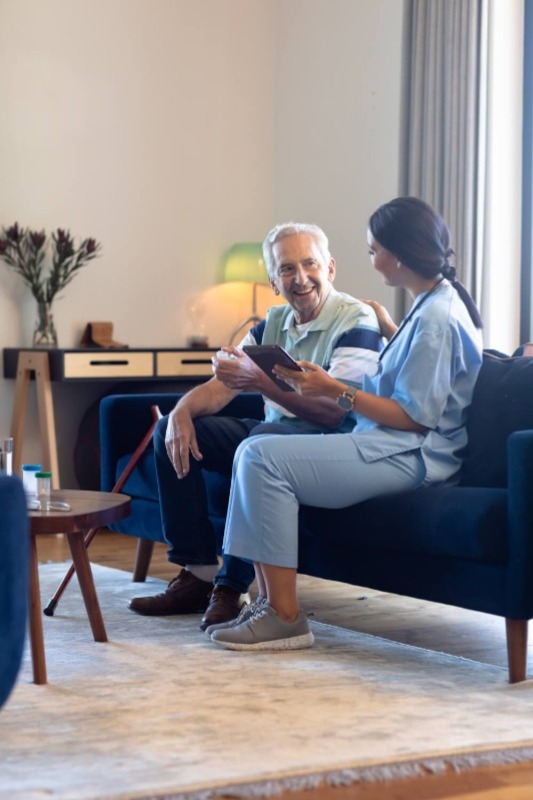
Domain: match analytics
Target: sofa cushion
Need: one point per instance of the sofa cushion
(502, 403)
(441, 521)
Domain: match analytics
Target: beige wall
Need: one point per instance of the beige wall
(170, 129)
(337, 108)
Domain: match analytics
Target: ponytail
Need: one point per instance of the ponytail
(450, 273)
(471, 307)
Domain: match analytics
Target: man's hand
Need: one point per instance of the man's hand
(180, 440)
(238, 372)
(312, 382)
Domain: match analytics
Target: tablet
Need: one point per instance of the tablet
(267, 356)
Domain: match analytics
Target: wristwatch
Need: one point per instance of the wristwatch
(346, 400)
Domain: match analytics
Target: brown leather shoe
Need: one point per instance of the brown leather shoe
(185, 594)
(224, 606)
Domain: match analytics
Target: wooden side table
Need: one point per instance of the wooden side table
(88, 510)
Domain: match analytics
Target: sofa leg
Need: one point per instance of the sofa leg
(142, 559)
(516, 630)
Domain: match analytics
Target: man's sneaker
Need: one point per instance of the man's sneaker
(245, 613)
(265, 630)
(185, 594)
(224, 605)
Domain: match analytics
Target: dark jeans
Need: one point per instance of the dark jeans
(186, 524)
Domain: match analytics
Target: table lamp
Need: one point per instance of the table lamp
(244, 262)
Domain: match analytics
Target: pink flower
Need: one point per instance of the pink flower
(37, 239)
(13, 232)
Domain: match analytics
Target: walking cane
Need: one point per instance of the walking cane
(128, 469)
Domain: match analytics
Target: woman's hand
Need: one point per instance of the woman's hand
(312, 382)
(315, 381)
(387, 325)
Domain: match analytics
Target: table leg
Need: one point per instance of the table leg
(30, 362)
(35, 618)
(85, 579)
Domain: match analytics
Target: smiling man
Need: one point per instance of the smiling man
(318, 324)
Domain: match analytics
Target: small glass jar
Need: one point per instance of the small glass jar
(6, 456)
(43, 489)
(29, 480)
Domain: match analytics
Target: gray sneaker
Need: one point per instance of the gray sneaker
(265, 630)
(245, 613)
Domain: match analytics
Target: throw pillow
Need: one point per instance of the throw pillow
(502, 403)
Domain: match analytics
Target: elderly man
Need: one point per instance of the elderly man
(319, 324)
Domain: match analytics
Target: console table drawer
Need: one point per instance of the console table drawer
(108, 365)
(187, 362)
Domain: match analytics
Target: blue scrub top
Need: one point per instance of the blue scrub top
(429, 369)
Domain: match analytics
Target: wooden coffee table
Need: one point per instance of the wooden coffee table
(88, 510)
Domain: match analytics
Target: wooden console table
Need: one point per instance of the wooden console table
(92, 365)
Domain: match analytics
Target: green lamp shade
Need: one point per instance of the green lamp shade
(244, 262)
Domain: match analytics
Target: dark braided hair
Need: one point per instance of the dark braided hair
(418, 237)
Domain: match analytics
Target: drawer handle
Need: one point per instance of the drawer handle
(111, 363)
(196, 361)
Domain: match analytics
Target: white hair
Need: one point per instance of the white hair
(289, 229)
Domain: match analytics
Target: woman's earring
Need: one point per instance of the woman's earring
(398, 265)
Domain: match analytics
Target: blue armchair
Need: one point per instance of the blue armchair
(124, 420)
(14, 535)
(469, 545)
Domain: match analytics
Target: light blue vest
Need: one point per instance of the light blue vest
(340, 313)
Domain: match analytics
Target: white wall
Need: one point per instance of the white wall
(170, 129)
(338, 124)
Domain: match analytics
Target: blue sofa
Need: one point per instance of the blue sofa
(14, 564)
(469, 545)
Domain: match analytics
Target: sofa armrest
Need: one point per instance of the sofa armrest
(124, 419)
(520, 523)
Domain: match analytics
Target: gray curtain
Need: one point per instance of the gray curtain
(442, 131)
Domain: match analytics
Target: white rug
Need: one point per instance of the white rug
(161, 712)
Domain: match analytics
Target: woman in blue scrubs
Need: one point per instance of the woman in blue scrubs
(410, 432)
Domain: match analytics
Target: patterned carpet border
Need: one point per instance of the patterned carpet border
(460, 762)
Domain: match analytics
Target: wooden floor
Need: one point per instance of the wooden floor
(472, 635)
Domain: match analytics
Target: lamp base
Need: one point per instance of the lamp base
(199, 341)
(248, 321)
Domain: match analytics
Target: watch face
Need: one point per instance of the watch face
(344, 402)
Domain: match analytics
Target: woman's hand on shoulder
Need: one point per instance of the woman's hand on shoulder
(387, 325)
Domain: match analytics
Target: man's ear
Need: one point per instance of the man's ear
(332, 269)
(273, 286)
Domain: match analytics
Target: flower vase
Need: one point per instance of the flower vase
(45, 333)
